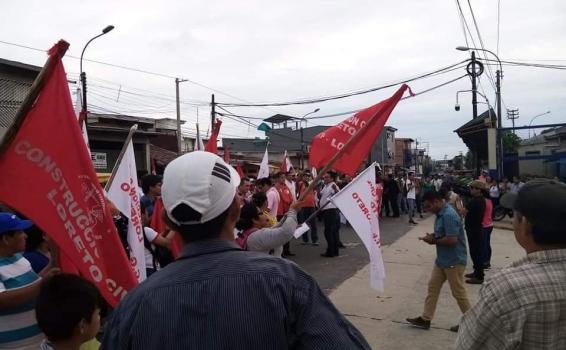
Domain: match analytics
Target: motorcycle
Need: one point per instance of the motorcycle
(499, 213)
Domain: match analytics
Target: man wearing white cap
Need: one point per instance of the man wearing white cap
(217, 296)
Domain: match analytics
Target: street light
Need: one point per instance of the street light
(106, 30)
(499, 75)
(302, 137)
(535, 117)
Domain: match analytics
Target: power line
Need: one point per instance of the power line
(133, 70)
(490, 75)
(526, 64)
(498, 23)
(344, 95)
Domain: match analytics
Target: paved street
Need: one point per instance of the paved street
(408, 263)
(330, 273)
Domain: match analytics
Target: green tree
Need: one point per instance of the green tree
(469, 160)
(458, 162)
(511, 142)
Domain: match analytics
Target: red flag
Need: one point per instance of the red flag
(226, 155)
(158, 225)
(211, 144)
(153, 167)
(371, 122)
(60, 191)
(239, 169)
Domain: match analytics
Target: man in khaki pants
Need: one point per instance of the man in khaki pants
(450, 241)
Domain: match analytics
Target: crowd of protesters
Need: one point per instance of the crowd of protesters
(229, 288)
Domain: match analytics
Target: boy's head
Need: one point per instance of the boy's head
(68, 308)
(12, 235)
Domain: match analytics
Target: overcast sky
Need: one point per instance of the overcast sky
(264, 51)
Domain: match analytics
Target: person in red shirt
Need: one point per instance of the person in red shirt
(286, 199)
(308, 209)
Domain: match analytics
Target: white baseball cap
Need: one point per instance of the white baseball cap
(198, 182)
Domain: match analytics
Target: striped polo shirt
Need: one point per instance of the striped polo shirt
(18, 327)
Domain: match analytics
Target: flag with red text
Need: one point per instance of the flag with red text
(48, 176)
(360, 202)
(123, 192)
(369, 122)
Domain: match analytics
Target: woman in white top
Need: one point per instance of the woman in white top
(494, 192)
(152, 238)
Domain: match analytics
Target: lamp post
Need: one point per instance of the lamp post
(106, 30)
(302, 119)
(535, 117)
(499, 76)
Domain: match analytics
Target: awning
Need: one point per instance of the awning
(161, 155)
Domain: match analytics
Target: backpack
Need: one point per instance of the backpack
(159, 254)
(242, 239)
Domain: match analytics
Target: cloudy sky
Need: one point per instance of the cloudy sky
(267, 51)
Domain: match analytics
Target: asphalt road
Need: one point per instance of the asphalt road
(331, 272)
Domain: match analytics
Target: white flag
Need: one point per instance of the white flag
(199, 145)
(286, 166)
(359, 202)
(314, 172)
(263, 167)
(123, 192)
(78, 108)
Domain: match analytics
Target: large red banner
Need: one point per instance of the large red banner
(47, 175)
(369, 122)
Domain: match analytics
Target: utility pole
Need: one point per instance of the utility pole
(474, 87)
(179, 135)
(513, 114)
(212, 111)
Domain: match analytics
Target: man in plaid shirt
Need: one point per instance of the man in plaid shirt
(524, 305)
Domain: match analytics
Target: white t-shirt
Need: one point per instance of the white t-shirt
(494, 191)
(150, 235)
(273, 200)
(411, 194)
(437, 184)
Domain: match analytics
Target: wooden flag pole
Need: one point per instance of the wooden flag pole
(120, 157)
(59, 51)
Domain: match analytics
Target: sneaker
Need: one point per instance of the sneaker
(419, 322)
(315, 243)
(474, 280)
(325, 255)
(455, 328)
(469, 275)
(412, 222)
(341, 245)
(487, 266)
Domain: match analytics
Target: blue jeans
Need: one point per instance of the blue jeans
(302, 216)
(412, 204)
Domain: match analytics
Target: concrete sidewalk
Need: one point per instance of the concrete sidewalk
(408, 263)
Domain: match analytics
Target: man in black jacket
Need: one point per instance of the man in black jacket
(474, 216)
(392, 194)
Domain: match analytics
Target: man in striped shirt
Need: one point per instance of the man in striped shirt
(19, 286)
(216, 295)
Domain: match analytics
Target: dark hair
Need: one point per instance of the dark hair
(264, 181)
(63, 301)
(432, 196)
(243, 180)
(259, 199)
(34, 239)
(198, 232)
(248, 213)
(333, 175)
(149, 181)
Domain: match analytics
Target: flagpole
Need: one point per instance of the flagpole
(337, 156)
(59, 51)
(120, 156)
